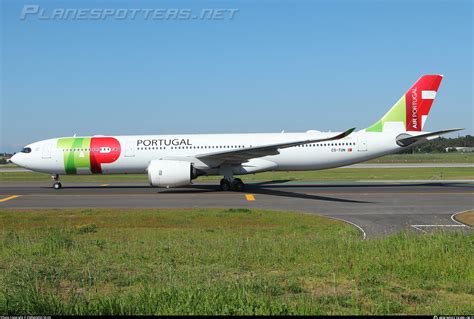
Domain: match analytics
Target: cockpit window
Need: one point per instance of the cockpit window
(26, 150)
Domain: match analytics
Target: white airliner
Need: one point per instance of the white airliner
(175, 160)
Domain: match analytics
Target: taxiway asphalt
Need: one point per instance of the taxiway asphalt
(377, 208)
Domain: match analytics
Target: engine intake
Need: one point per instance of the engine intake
(169, 173)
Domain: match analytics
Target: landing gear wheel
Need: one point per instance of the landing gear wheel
(56, 184)
(225, 185)
(238, 185)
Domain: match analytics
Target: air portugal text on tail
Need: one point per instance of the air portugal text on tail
(175, 164)
(419, 99)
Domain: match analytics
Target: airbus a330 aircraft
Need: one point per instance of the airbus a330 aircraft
(175, 160)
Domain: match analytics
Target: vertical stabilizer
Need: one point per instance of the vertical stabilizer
(412, 109)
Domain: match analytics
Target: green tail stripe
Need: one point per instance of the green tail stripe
(396, 114)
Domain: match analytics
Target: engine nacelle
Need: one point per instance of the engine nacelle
(169, 173)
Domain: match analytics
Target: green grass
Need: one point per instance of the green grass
(324, 175)
(40, 177)
(338, 174)
(397, 158)
(356, 174)
(9, 165)
(218, 261)
(425, 158)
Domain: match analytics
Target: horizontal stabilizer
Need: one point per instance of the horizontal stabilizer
(407, 139)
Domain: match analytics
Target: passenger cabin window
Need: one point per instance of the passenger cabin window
(26, 150)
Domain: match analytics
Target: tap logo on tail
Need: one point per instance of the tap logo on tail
(419, 100)
(412, 109)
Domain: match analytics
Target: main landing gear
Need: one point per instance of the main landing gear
(57, 183)
(234, 184)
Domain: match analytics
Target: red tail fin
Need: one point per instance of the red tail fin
(419, 99)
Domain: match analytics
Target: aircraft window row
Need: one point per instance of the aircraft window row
(89, 149)
(191, 147)
(152, 148)
(235, 146)
(327, 144)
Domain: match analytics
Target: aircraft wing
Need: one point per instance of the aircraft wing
(244, 154)
(407, 139)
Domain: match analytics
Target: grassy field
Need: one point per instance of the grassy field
(324, 175)
(235, 261)
(425, 158)
(399, 158)
(338, 174)
(466, 218)
(9, 165)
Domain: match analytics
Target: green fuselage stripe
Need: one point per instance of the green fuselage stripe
(76, 153)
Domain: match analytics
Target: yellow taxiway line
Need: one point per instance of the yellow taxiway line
(8, 198)
(249, 197)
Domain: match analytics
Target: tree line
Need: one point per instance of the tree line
(439, 145)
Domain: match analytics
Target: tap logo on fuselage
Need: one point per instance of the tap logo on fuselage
(87, 154)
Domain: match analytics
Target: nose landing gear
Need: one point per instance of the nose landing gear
(57, 183)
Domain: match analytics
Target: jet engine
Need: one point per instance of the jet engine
(169, 173)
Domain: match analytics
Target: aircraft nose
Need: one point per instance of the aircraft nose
(17, 160)
(14, 158)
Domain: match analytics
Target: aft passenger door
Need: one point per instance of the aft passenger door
(361, 144)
